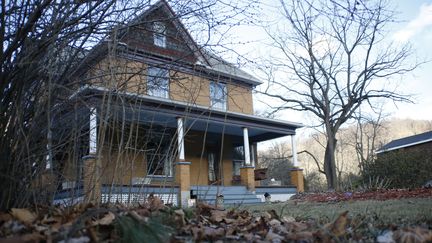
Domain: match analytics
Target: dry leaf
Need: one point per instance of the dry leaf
(273, 237)
(106, 220)
(274, 223)
(24, 215)
(217, 216)
(304, 236)
(4, 217)
(338, 227)
(288, 219)
(155, 203)
(27, 238)
(295, 226)
(179, 217)
(413, 235)
(212, 233)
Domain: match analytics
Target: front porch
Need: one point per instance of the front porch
(130, 194)
(148, 142)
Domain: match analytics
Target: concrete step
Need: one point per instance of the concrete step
(232, 194)
(235, 201)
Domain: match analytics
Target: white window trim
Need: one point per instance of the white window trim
(156, 90)
(159, 34)
(218, 103)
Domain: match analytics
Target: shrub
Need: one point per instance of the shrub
(403, 169)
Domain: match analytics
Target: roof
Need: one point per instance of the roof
(206, 60)
(407, 142)
(216, 63)
(228, 122)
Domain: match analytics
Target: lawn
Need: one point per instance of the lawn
(402, 212)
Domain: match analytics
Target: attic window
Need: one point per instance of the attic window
(159, 34)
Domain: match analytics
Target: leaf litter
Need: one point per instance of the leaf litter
(155, 222)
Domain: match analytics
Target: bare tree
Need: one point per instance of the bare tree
(368, 129)
(334, 59)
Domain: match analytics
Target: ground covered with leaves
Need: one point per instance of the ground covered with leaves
(381, 194)
(280, 222)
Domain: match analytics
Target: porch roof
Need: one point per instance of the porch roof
(146, 109)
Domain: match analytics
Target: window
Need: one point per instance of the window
(158, 82)
(159, 34)
(218, 95)
(159, 161)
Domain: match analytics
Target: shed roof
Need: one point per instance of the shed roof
(407, 142)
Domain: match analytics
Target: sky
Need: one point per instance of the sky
(414, 27)
(417, 30)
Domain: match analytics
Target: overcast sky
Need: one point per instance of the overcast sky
(415, 28)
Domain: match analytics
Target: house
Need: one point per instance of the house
(405, 162)
(153, 112)
(419, 142)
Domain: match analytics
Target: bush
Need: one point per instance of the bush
(402, 169)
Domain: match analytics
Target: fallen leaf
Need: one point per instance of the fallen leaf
(24, 215)
(212, 233)
(411, 235)
(179, 217)
(274, 223)
(288, 219)
(273, 237)
(217, 216)
(5, 217)
(295, 226)
(304, 236)
(106, 220)
(27, 238)
(155, 203)
(338, 227)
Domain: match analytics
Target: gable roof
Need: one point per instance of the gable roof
(206, 60)
(407, 142)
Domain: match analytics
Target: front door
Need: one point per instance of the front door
(214, 168)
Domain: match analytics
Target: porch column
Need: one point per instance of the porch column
(247, 175)
(182, 168)
(180, 139)
(296, 173)
(91, 165)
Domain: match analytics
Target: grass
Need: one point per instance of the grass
(402, 212)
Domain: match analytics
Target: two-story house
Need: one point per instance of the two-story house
(160, 114)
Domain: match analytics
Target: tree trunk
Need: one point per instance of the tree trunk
(329, 161)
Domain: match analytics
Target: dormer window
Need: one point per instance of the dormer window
(159, 34)
(218, 95)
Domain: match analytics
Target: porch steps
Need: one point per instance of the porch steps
(233, 195)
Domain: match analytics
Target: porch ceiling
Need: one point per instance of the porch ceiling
(163, 112)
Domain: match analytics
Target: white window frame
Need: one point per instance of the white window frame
(160, 158)
(158, 82)
(159, 34)
(218, 95)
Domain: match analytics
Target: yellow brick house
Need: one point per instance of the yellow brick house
(153, 112)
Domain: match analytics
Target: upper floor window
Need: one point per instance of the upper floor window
(158, 82)
(159, 34)
(218, 95)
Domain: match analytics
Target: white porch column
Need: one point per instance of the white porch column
(93, 132)
(91, 165)
(294, 151)
(246, 147)
(180, 139)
